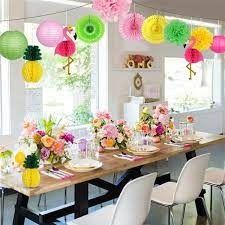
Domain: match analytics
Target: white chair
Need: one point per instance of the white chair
(186, 189)
(215, 177)
(9, 142)
(132, 207)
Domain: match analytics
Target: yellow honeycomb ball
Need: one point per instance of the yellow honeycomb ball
(32, 71)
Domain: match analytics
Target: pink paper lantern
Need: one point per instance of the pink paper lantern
(49, 33)
(218, 45)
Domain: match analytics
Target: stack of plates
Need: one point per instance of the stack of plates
(83, 165)
(143, 150)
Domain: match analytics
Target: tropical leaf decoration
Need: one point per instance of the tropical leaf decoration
(32, 53)
(31, 161)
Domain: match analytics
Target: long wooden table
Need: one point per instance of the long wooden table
(82, 180)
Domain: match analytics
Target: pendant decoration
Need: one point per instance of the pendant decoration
(67, 47)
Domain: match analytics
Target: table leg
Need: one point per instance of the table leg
(198, 202)
(81, 199)
(22, 201)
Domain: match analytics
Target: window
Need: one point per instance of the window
(183, 94)
(75, 96)
(4, 79)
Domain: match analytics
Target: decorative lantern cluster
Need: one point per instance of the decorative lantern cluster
(155, 29)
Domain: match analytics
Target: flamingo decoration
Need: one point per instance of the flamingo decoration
(67, 47)
(192, 55)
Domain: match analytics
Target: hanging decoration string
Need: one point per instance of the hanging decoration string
(46, 14)
(158, 11)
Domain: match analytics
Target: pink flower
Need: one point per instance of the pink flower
(161, 109)
(104, 115)
(160, 129)
(58, 147)
(121, 122)
(110, 131)
(67, 137)
(164, 119)
(145, 128)
(29, 127)
(45, 153)
(153, 130)
(155, 116)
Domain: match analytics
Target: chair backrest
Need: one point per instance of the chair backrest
(8, 141)
(132, 207)
(191, 179)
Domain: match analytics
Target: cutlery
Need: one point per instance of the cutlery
(50, 175)
(62, 171)
(57, 174)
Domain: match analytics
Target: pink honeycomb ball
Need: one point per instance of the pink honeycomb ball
(49, 33)
(218, 45)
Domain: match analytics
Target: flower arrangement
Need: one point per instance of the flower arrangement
(110, 134)
(48, 140)
(154, 125)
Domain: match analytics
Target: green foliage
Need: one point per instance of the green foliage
(48, 125)
(82, 114)
(6, 154)
(31, 161)
(32, 53)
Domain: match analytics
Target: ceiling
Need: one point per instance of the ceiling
(205, 9)
(210, 9)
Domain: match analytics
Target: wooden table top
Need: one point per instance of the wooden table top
(110, 165)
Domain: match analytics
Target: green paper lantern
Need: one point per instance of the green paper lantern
(90, 28)
(13, 44)
(177, 32)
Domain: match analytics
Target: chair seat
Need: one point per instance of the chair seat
(102, 216)
(164, 194)
(215, 176)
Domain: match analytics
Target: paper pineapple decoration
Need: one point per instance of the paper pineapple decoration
(31, 174)
(32, 70)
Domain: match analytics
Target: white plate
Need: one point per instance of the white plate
(148, 150)
(83, 165)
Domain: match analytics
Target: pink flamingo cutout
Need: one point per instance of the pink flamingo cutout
(67, 48)
(192, 55)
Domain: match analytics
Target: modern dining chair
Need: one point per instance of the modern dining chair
(132, 206)
(9, 142)
(215, 177)
(185, 190)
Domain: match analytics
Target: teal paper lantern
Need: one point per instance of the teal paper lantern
(13, 44)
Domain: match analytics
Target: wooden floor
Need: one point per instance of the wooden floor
(158, 215)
